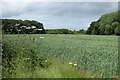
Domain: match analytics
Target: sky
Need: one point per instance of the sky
(58, 15)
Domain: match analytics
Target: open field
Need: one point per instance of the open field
(96, 53)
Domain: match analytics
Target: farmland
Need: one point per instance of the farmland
(97, 53)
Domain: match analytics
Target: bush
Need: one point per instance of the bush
(14, 56)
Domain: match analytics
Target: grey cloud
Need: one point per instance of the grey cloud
(13, 9)
(69, 12)
(119, 5)
(78, 10)
(73, 10)
(62, 9)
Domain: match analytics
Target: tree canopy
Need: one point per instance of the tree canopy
(107, 24)
(12, 26)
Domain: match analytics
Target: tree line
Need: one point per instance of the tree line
(12, 26)
(64, 31)
(107, 24)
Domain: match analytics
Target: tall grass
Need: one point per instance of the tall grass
(21, 56)
(21, 60)
(26, 55)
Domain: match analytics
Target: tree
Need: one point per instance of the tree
(71, 32)
(93, 31)
(19, 26)
(108, 29)
(117, 30)
(106, 24)
(114, 25)
(81, 31)
(15, 30)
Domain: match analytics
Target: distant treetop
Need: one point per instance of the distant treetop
(12, 26)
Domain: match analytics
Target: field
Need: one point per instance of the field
(95, 53)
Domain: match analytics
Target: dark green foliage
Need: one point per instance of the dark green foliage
(64, 31)
(117, 30)
(105, 25)
(14, 54)
(108, 29)
(12, 26)
(94, 28)
(81, 31)
(58, 31)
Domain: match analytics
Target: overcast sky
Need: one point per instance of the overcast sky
(57, 15)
